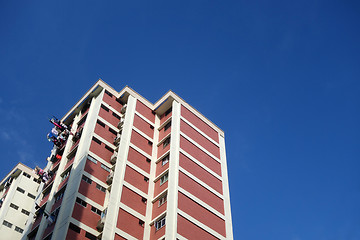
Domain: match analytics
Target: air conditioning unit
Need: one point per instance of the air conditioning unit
(123, 109)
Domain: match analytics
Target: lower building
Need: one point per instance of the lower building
(17, 197)
(124, 168)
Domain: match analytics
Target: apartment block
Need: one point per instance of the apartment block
(17, 196)
(130, 169)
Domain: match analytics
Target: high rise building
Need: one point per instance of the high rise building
(17, 196)
(131, 169)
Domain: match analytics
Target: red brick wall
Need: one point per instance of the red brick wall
(141, 142)
(200, 173)
(136, 179)
(200, 192)
(138, 159)
(117, 237)
(201, 214)
(129, 224)
(133, 200)
(163, 118)
(163, 133)
(143, 126)
(200, 139)
(160, 168)
(199, 155)
(145, 111)
(190, 231)
(200, 124)
(156, 234)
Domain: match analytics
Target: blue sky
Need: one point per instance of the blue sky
(281, 78)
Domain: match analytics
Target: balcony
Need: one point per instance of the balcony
(113, 158)
(101, 222)
(120, 124)
(110, 177)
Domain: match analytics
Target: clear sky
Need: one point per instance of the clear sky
(281, 78)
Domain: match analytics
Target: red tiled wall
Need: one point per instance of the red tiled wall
(136, 179)
(90, 191)
(199, 155)
(200, 192)
(201, 214)
(190, 231)
(154, 235)
(85, 215)
(129, 224)
(112, 102)
(133, 200)
(160, 168)
(101, 151)
(200, 124)
(109, 117)
(163, 133)
(96, 170)
(138, 159)
(105, 133)
(156, 211)
(200, 173)
(161, 150)
(200, 139)
(158, 189)
(118, 237)
(163, 118)
(143, 126)
(145, 111)
(141, 142)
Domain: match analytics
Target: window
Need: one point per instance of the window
(90, 236)
(160, 223)
(100, 123)
(20, 190)
(81, 202)
(26, 175)
(74, 228)
(14, 206)
(65, 175)
(144, 200)
(95, 210)
(6, 223)
(115, 115)
(148, 160)
(86, 179)
(167, 126)
(105, 168)
(105, 108)
(92, 159)
(19, 229)
(146, 179)
(168, 111)
(162, 200)
(96, 140)
(141, 222)
(108, 93)
(164, 178)
(112, 131)
(166, 142)
(149, 142)
(101, 188)
(165, 160)
(31, 196)
(109, 148)
(25, 212)
(151, 126)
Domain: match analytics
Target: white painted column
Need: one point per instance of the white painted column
(119, 174)
(226, 192)
(173, 182)
(67, 205)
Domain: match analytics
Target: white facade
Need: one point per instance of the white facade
(17, 192)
